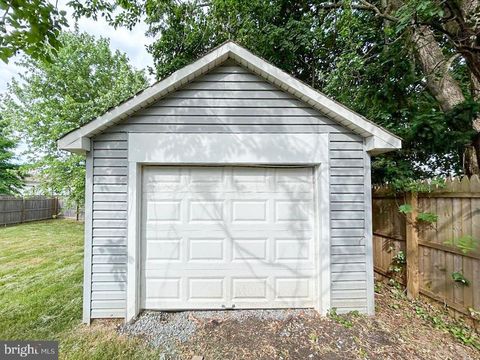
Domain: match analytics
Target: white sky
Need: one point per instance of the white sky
(133, 43)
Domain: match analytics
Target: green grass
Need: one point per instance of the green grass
(41, 272)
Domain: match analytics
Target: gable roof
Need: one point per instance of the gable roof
(378, 140)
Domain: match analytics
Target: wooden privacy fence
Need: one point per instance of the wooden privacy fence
(15, 210)
(436, 252)
(70, 211)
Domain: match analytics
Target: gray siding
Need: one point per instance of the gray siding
(109, 235)
(229, 99)
(347, 214)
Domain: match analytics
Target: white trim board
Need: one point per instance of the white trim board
(284, 149)
(87, 253)
(379, 139)
(228, 149)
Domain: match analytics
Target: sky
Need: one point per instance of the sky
(133, 43)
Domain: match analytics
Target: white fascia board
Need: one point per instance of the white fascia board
(376, 146)
(80, 145)
(147, 96)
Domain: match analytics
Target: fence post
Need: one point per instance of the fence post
(24, 216)
(55, 207)
(413, 281)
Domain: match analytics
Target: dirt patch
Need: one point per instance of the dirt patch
(400, 330)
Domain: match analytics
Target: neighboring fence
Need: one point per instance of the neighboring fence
(14, 210)
(432, 261)
(70, 211)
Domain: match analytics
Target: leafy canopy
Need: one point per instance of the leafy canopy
(29, 25)
(52, 98)
(358, 52)
(352, 55)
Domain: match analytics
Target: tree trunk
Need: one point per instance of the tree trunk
(440, 82)
(463, 31)
(444, 88)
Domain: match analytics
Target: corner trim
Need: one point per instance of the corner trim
(133, 239)
(87, 256)
(369, 237)
(323, 243)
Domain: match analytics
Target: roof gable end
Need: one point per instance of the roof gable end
(378, 140)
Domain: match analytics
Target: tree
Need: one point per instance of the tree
(84, 80)
(32, 26)
(10, 179)
(401, 63)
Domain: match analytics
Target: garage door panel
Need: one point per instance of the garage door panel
(293, 288)
(275, 251)
(235, 230)
(293, 210)
(206, 289)
(246, 289)
(206, 249)
(293, 249)
(238, 269)
(215, 291)
(224, 195)
(249, 249)
(249, 210)
(164, 250)
(250, 175)
(163, 211)
(163, 288)
(252, 267)
(205, 210)
(231, 236)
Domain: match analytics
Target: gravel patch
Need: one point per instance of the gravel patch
(165, 330)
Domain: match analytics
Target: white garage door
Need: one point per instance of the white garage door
(223, 237)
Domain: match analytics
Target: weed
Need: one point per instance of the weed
(345, 319)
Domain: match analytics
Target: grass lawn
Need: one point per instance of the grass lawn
(41, 298)
(41, 273)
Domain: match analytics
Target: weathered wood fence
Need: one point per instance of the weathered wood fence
(71, 211)
(434, 251)
(14, 210)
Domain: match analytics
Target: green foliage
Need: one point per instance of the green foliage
(10, 178)
(458, 277)
(405, 208)
(411, 9)
(350, 55)
(30, 26)
(344, 320)
(84, 80)
(458, 330)
(398, 262)
(465, 243)
(427, 217)
(402, 184)
(356, 57)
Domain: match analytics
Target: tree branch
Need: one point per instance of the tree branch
(363, 5)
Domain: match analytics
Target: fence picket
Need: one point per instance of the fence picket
(457, 205)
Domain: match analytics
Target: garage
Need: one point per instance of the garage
(228, 185)
(227, 237)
